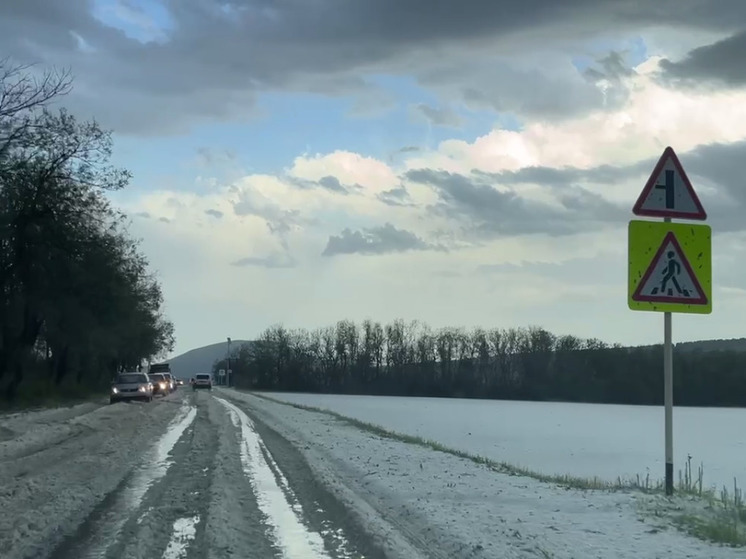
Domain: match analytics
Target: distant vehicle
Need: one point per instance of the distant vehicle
(165, 370)
(171, 381)
(180, 382)
(202, 381)
(131, 386)
(160, 384)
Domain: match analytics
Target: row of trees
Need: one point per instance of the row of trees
(411, 359)
(77, 301)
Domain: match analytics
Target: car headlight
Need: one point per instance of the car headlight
(114, 390)
(162, 385)
(142, 389)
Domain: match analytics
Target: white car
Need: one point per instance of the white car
(202, 381)
(131, 386)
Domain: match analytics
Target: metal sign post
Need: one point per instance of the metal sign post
(678, 276)
(228, 366)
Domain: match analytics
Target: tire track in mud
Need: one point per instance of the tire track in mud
(114, 523)
(396, 527)
(343, 536)
(202, 506)
(176, 498)
(235, 526)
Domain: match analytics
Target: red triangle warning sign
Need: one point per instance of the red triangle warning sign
(669, 192)
(670, 278)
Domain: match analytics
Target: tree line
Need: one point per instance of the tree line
(411, 359)
(77, 299)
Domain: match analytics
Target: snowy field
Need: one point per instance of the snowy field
(455, 508)
(586, 440)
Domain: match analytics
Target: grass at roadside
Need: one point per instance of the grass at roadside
(708, 514)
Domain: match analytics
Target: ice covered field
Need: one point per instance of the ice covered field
(587, 440)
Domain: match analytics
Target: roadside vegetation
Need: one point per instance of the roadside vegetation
(77, 300)
(411, 359)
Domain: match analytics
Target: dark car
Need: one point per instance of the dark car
(160, 384)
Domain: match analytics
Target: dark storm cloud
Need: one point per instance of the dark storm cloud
(722, 164)
(487, 200)
(567, 176)
(333, 184)
(721, 63)
(437, 117)
(376, 240)
(487, 211)
(209, 66)
(328, 182)
(719, 167)
(395, 197)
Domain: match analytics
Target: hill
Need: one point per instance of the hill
(735, 344)
(201, 359)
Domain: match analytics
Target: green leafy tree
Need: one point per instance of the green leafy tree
(77, 301)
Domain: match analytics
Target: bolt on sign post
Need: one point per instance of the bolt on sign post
(670, 265)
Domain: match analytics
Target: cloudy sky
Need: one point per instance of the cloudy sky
(462, 163)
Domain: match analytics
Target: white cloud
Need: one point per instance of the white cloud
(653, 117)
(442, 288)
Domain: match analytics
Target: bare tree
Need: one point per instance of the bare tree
(22, 97)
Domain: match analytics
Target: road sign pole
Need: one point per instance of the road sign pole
(668, 397)
(679, 276)
(228, 366)
(668, 392)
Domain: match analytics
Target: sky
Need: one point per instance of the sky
(462, 164)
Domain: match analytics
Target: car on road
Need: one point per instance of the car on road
(202, 381)
(171, 381)
(131, 386)
(160, 384)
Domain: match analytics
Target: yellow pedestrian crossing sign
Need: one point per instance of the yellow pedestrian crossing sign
(670, 267)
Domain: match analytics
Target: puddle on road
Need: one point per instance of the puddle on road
(183, 533)
(290, 534)
(116, 509)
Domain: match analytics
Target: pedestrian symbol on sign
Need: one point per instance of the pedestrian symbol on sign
(671, 271)
(670, 277)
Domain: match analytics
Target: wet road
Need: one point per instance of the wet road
(185, 477)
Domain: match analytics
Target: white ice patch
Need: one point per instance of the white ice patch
(341, 545)
(184, 531)
(290, 535)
